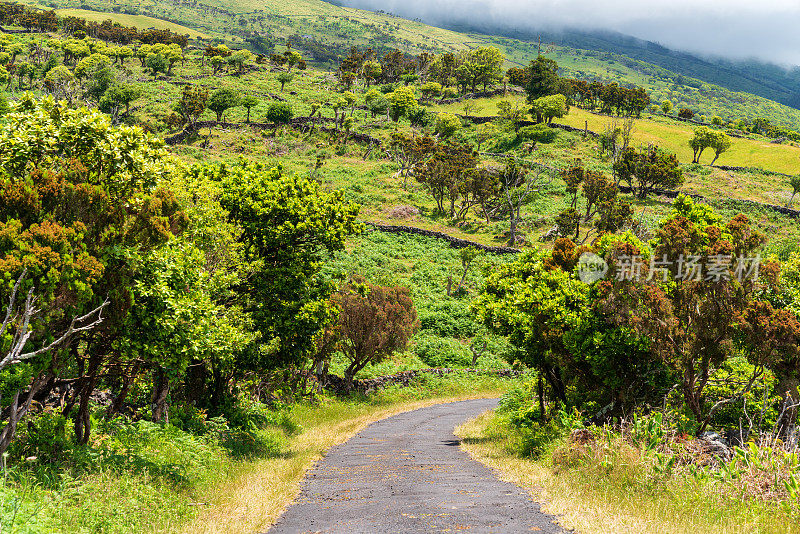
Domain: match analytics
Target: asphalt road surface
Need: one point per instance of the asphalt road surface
(408, 474)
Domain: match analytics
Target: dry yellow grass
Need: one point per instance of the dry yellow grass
(253, 498)
(594, 507)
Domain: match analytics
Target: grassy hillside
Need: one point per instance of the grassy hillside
(326, 32)
(670, 134)
(137, 21)
(766, 80)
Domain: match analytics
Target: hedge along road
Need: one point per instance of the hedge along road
(407, 473)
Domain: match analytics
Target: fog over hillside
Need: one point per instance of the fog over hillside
(735, 29)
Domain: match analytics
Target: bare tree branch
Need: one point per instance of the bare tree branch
(23, 333)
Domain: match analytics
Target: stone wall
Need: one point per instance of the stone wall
(453, 241)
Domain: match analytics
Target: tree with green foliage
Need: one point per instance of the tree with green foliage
(283, 78)
(216, 62)
(177, 319)
(535, 306)
(279, 113)
(419, 117)
(239, 59)
(648, 168)
(249, 102)
(430, 90)
(117, 97)
(172, 54)
(720, 143)
(192, 104)
(666, 107)
(288, 224)
(222, 100)
(485, 132)
(376, 102)
(702, 139)
(89, 201)
(444, 174)
(550, 107)
(447, 124)
(61, 83)
(156, 64)
(293, 57)
(488, 61)
(96, 73)
(24, 70)
(794, 183)
(371, 70)
(401, 100)
(512, 113)
(542, 78)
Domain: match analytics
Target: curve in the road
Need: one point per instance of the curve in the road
(408, 474)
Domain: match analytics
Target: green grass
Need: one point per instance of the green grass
(669, 134)
(137, 21)
(148, 478)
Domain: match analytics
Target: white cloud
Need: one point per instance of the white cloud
(731, 28)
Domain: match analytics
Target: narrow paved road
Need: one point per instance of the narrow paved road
(406, 474)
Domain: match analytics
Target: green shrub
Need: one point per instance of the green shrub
(419, 116)
(541, 133)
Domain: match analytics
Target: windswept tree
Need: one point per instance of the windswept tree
(794, 183)
(720, 144)
(239, 59)
(283, 78)
(702, 139)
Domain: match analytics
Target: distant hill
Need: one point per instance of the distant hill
(325, 31)
(756, 77)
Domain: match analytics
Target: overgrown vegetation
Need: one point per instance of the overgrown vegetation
(176, 311)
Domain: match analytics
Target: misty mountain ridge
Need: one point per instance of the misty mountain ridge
(768, 80)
